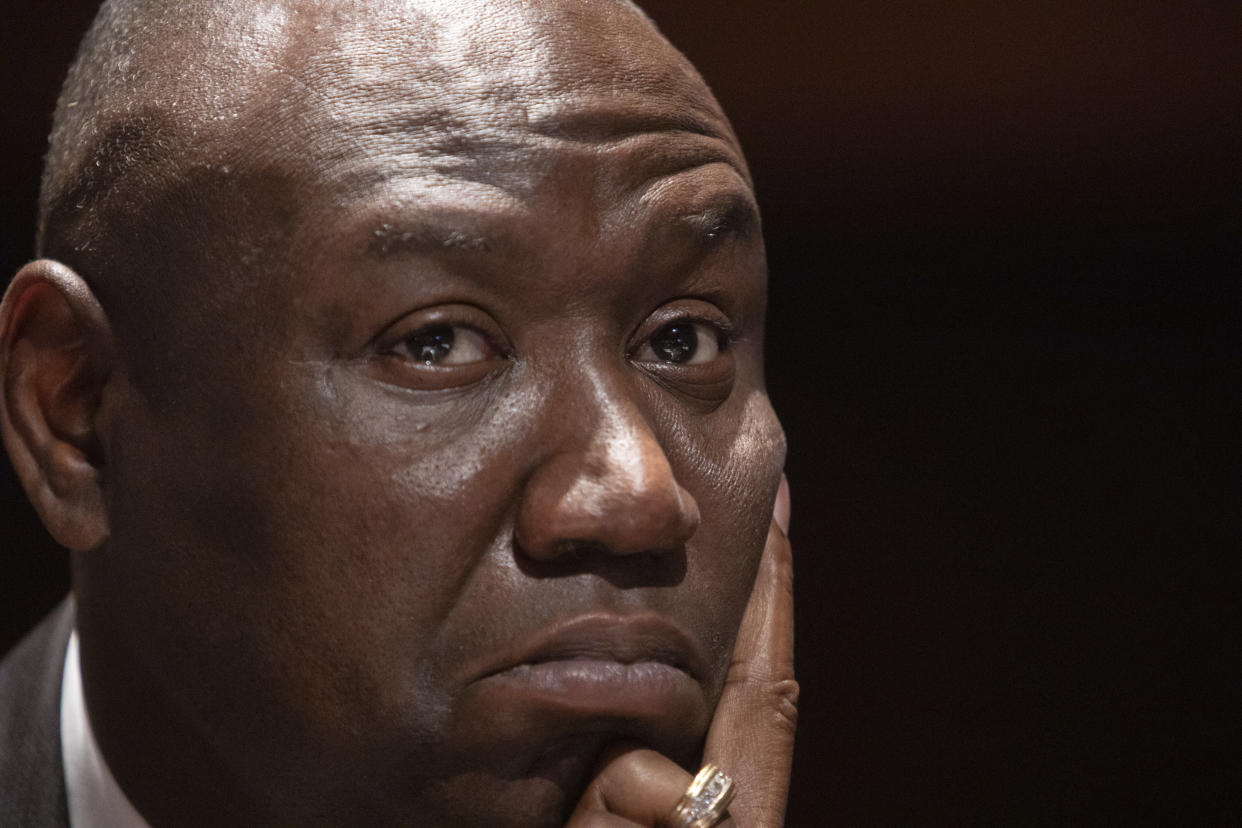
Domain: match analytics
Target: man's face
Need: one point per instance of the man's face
(475, 481)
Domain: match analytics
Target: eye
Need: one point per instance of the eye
(444, 345)
(682, 343)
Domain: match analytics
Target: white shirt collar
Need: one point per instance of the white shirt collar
(95, 799)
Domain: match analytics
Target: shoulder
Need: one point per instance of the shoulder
(32, 786)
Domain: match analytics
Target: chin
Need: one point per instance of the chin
(544, 796)
(521, 785)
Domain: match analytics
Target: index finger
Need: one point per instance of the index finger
(752, 734)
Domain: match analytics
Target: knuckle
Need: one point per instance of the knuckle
(777, 696)
(782, 700)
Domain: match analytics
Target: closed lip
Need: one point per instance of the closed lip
(637, 676)
(607, 638)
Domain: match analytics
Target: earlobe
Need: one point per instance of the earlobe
(55, 358)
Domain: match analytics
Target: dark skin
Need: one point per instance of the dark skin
(458, 508)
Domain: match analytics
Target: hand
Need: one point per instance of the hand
(752, 734)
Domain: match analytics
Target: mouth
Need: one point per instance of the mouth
(637, 675)
(600, 645)
(595, 688)
(603, 638)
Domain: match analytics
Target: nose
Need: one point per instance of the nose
(606, 486)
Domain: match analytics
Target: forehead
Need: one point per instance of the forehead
(493, 93)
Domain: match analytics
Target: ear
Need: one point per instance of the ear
(56, 353)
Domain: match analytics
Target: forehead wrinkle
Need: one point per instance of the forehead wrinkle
(591, 119)
(687, 180)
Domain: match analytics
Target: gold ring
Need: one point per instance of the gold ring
(704, 803)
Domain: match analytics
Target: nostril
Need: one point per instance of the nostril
(582, 551)
(656, 567)
(576, 551)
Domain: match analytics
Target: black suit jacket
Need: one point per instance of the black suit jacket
(32, 778)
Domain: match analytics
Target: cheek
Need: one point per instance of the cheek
(735, 457)
(330, 532)
(386, 507)
(731, 462)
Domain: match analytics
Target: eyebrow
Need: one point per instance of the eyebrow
(731, 214)
(428, 235)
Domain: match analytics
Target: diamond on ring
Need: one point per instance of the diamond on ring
(704, 803)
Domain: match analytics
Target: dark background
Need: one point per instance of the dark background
(1005, 340)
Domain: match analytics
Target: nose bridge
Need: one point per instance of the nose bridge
(606, 482)
(622, 444)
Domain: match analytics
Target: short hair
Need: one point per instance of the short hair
(128, 114)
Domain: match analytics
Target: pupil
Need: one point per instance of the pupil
(675, 343)
(430, 345)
